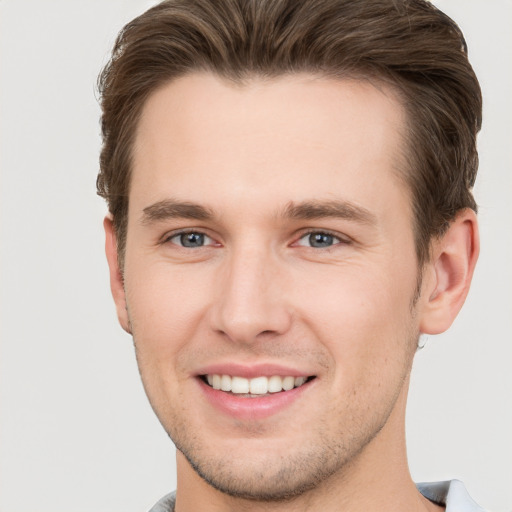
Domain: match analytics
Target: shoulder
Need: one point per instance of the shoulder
(452, 494)
(166, 504)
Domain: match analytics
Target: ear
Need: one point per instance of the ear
(450, 272)
(116, 276)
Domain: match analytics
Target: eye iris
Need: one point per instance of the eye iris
(320, 239)
(192, 239)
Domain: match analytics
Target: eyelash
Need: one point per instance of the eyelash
(340, 239)
(184, 232)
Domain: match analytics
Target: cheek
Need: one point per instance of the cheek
(363, 317)
(165, 305)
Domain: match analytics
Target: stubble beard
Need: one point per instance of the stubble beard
(329, 456)
(276, 479)
(326, 459)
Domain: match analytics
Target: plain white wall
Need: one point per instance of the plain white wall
(76, 432)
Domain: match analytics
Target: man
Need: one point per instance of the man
(289, 185)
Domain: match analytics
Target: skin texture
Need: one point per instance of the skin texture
(257, 292)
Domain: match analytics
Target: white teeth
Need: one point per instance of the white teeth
(288, 383)
(225, 383)
(258, 386)
(255, 386)
(299, 381)
(216, 382)
(239, 385)
(275, 384)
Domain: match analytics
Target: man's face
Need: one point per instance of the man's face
(270, 239)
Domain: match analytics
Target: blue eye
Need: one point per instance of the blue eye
(191, 240)
(318, 240)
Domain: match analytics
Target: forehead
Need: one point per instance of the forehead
(296, 137)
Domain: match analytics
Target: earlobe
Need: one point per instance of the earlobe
(453, 262)
(116, 277)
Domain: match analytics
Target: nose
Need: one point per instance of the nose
(251, 301)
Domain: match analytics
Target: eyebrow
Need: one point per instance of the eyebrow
(306, 210)
(310, 210)
(172, 209)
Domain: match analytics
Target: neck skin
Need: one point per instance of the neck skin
(378, 480)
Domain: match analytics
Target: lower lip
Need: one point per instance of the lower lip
(250, 408)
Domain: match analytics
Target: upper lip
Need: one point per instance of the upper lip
(252, 371)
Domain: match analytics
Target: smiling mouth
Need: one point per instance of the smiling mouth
(255, 387)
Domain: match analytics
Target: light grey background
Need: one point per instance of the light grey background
(76, 433)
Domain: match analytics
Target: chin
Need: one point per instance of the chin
(264, 481)
(269, 475)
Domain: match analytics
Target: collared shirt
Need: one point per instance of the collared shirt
(451, 494)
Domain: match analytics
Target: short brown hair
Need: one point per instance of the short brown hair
(409, 44)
